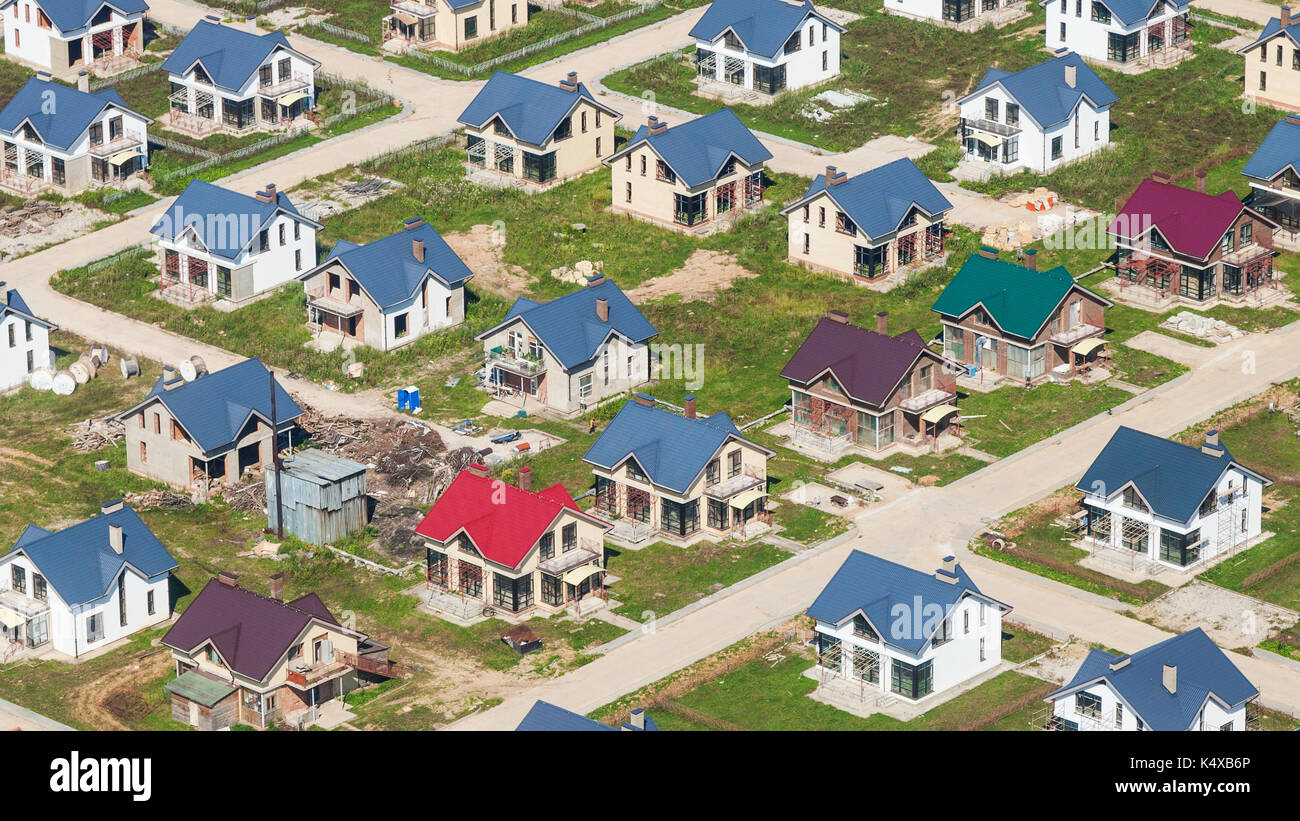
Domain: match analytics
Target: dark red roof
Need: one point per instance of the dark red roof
(503, 521)
(1191, 222)
(868, 365)
(250, 631)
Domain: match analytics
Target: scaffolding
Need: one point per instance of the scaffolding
(708, 66)
(905, 249)
(934, 239)
(1133, 534)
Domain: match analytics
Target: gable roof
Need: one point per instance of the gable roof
(214, 408)
(1203, 671)
(1190, 221)
(569, 326)
(546, 717)
(867, 365)
(209, 210)
(69, 15)
(1279, 150)
(672, 449)
(12, 304)
(697, 150)
(229, 55)
(1019, 299)
(76, 110)
(388, 270)
(531, 109)
(503, 531)
(880, 199)
(763, 26)
(1042, 92)
(1272, 28)
(1172, 477)
(251, 632)
(1135, 11)
(78, 561)
(874, 586)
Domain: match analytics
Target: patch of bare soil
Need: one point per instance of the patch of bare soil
(115, 710)
(38, 224)
(1058, 664)
(701, 278)
(1231, 619)
(481, 247)
(321, 201)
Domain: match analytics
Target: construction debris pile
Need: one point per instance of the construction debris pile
(1202, 327)
(34, 217)
(96, 434)
(580, 272)
(158, 500)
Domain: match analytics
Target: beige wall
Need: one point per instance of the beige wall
(1282, 82)
(833, 250)
(574, 155)
(343, 643)
(653, 198)
(450, 25)
(168, 459)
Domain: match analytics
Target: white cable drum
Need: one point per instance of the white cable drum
(200, 367)
(42, 379)
(129, 366)
(63, 383)
(187, 371)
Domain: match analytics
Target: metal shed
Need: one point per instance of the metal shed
(324, 497)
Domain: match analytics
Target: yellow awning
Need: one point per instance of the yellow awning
(578, 575)
(408, 19)
(122, 156)
(292, 97)
(938, 413)
(1087, 346)
(11, 619)
(743, 500)
(988, 139)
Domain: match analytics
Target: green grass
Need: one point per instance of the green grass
(1020, 644)
(1014, 418)
(807, 525)
(661, 578)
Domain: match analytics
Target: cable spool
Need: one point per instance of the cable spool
(200, 367)
(130, 367)
(999, 545)
(63, 383)
(192, 368)
(83, 370)
(42, 379)
(99, 355)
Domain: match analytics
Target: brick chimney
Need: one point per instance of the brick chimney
(1031, 259)
(595, 280)
(988, 253)
(477, 469)
(526, 479)
(277, 586)
(645, 399)
(412, 223)
(1293, 118)
(948, 572)
(229, 578)
(570, 82)
(602, 310)
(417, 249)
(656, 126)
(112, 506)
(115, 538)
(1285, 20)
(688, 405)
(882, 323)
(1161, 177)
(83, 81)
(1200, 181)
(834, 177)
(1211, 446)
(636, 718)
(1071, 75)
(1169, 678)
(838, 316)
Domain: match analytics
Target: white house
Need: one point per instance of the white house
(24, 340)
(62, 36)
(215, 243)
(225, 78)
(1170, 503)
(1037, 119)
(955, 11)
(768, 46)
(905, 632)
(1120, 31)
(84, 587)
(1183, 683)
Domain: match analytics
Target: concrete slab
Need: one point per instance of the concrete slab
(848, 476)
(1231, 619)
(1170, 348)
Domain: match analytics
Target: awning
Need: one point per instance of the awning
(988, 139)
(743, 500)
(578, 575)
(292, 97)
(938, 413)
(11, 619)
(1087, 346)
(406, 19)
(123, 156)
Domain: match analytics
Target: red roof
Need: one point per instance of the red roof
(503, 521)
(1191, 222)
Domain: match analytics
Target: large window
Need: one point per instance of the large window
(866, 665)
(769, 79)
(690, 210)
(1133, 535)
(863, 630)
(1180, 549)
(546, 544)
(1122, 47)
(94, 628)
(568, 537)
(911, 681)
(1132, 499)
(471, 27)
(539, 167)
(680, 519)
(1099, 524)
(1100, 14)
(830, 652)
(1057, 151)
(713, 472)
(733, 464)
(1196, 283)
(237, 114)
(719, 517)
(954, 343)
(1025, 363)
(1087, 704)
(513, 594)
(869, 262)
(875, 432)
(471, 580)
(552, 590)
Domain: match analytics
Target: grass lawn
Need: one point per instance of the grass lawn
(807, 525)
(661, 578)
(1021, 644)
(1014, 418)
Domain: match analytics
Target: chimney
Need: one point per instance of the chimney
(1286, 17)
(265, 196)
(526, 479)
(1031, 259)
(688, 407)
(4, 292)
(229, 578)
(111, 506)
(115, 538)
(1211, 446)
(988, 253)
(1169, 678)
(417, 249)
(1120, 663)
(570, 82)
(277, 586)
(656, 126)
(412, 223)
(645, 399)
(1161, 177)
(834, 177)
(838, 316)
(213, 18)
(44, 75)
(1200, 181)
(477, 469)
(637, 718)
(271, 192)
(1293, 118)
(882, 323)
(83, 81)
(602, 309)
(595, 280)
(948, 572)
(1071, 75)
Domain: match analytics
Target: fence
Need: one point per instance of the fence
(182, 148)
(139, 71)
(139, 249)
(342, 32)
(414, 148)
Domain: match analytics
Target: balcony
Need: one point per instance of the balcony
(564, 562)
(509, 360)
(305, 676)
(993, 127)
(300, 81)
(928, 399)
(319, 298)
(116, 145)
(22, 604)
(1246, 255)
(412, 8)
(735, 485)
(1078, 333)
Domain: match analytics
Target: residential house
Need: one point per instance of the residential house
(867, 227)
(62, 37)
(390, 292)
(523, 129)
(215, 243)
(1013, 321)
(24, 340)
(1169, 503)
(517, 550)
(679, 475)
(451, 25)
(851, 386)
(1125, 32)
(1272, 63)
(1037, 119)
(245, 658)
(82, 588)
(690, 176)
(94, 139)
(227, 79)
(1182, 683)
(571, 352)
(904, 632)
(208, 432)
(546, 717)
(764, 46)
(966, 14)
(1275, 180)
(1179, 245)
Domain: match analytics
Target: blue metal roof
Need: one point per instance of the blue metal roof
(209, 209)
(763, 26)
(1173, 478)
(569, 326)
(888, 595)
(1042, 92)
(697, 149)
(879, 200)
(1281, 148)
(60, 114)
(1203, 670)
(1136, 11)
(1271, 28)
(11, 302)
(214, 408)
(387, 268)
(546, 717)
(79, 563)
(229, 55)
(531, 109)
(69, 15)
(672, 449)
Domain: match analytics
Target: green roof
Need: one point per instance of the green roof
(199, 688)
(1019, 299)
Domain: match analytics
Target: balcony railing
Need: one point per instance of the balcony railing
(408, 7)
(509, 360)
(22, 604)
(316, 673)
(727, 488)
(993, 127)
(108, 148)
(1078, 333)
(300, 80)
(926, 400)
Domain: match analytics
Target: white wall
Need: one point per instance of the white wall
(803, 67)
(13, 361)
(297, 65)
(419, 321)
(1035, 143)
(1213, 716)
(1090, 38)
(32, 43)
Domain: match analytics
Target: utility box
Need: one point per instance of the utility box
(324, 497)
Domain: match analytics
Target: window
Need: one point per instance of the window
(1279, 56)
(863, 630)
(13, 334)
(121, 602)
(718, 514)
(471, 28)
(943, 635)
(144, 454)
(911, 681)
(1133, 500)
(1295, 59)
(149, 603)
(1263, 53)
(297, 263)
(829, 652)
(598, 146)
(1076, 132)
(539, 167)
(1121, 48)
(791, 46)
(954, 343)
(712, 472)
(1100, 14)
(264, 75)
(401, 327)
(769, 79)
(990, 109)
(546, 546)
(1056, 148)
(690, 210)
(965, 623)
(471, 580)
(584, 387)
(1096, 130)
(826, 61)
(845, 225)
(1087, 704)
(512, 594)
(19, 578)
(564, 130)
(583, 122)
(982, 656)
(731, 41)
(514, 13)
(664, 173)
(869, 262)
(733, 464)
(1247, 233)
(807, 244)
(628, 191)
(1013, 114)
(283, 237)
(1263, 81)
(680, 519)
(264, 240)
(58, 170)
(1062, 26)
(94, 628)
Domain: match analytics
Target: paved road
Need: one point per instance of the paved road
(919, 528)
(1253, 10)
(14, 717)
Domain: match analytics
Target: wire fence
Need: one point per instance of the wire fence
(424, 146)
(139, 249)
(139, 71)
(342, 32)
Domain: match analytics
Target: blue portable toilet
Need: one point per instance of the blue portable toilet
(403, 398)
(412, 398)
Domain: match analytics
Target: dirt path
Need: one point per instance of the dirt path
(89, 701)
(482, 247)
(701, 278)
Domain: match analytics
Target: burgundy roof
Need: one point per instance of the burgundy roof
(867, 365)
(250, 631)
(1191, 222)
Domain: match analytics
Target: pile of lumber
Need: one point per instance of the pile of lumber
(94, 434)
(248, 496)
(34, 217)
(158, 500)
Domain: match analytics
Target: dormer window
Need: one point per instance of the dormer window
(862, 629)
(564, 130)
(635, 473)
(1134, 501)
(499, 128)
(664, 173)
(731, 41)
(794, 43)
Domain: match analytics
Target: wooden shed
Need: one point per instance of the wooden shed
(324, 497)
(202, 701)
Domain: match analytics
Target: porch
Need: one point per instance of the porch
(327, 314)
(892, 261)
(24, 623)
(411, 22)
(1245, 277)
(187, 281)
